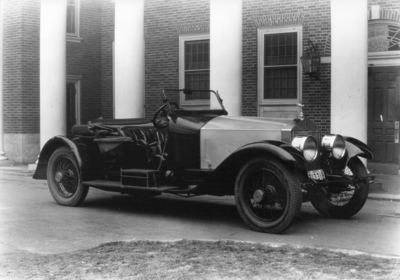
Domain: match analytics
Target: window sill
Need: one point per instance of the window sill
(278, 102)
(74, 39)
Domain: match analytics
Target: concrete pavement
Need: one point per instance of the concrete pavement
(385, 187)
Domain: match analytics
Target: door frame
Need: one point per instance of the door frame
(383, 59)
(381, 167)
(75, 79)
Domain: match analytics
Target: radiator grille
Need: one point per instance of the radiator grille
(316, 164)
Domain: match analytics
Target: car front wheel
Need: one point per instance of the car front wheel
(64, 178)
(343, 201)
(268, 195)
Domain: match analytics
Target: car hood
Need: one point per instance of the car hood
(246, 123)
(223, 135)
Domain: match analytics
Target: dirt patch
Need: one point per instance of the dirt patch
(199, 260)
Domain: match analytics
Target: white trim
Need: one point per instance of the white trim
(326, 60)
(75, 37)
(260, 58)
(387, 58)
(182, 40)
(113, 78)
(76, 79)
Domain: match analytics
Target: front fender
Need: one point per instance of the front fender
(49, 148)
(279, 149)
(357, 148)
(230, 167)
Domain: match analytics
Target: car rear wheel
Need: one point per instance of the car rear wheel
(64, 178)
(268, 195)
(343, 201)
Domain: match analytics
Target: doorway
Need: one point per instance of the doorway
(73, 104)
(383, 118)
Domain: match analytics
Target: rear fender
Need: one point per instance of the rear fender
(49, 148)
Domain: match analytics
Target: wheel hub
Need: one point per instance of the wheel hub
(258, 196)
(58, 177)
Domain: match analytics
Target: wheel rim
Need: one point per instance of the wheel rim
(342, 198)
(265, 195)
(66, 177)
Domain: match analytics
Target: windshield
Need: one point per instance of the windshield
(191, 91)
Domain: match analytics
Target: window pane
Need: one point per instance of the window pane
(71, 16)
(197, 80)
(197, 68)
(284, 47)
(280, 83)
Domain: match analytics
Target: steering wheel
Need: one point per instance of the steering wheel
(161, 119)
(175, 106)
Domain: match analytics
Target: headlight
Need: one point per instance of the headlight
(307, 145)
(334, 144)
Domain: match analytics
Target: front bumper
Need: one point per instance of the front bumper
(337, 179)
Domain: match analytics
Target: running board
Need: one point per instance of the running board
(117, 186)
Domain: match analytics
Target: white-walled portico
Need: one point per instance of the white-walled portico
(53, 67)
(129, 59)
(226, 53)
(2, 152)
(349, 80)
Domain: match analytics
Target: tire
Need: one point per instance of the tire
(64, 178)
(268, 195)
(345, 204)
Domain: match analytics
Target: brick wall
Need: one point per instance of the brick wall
(21, 66)
(387, 4)
(316, 26)
(21, 63)
(84, 59)
(164, 21)
(107, 35)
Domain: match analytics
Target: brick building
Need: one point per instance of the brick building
(111, 58)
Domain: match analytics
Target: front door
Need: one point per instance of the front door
(383, 118)
(71, 108)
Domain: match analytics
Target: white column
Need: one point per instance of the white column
(226, 53)
(349, 84)
(129, 59)
(53, 18)
(2, 152)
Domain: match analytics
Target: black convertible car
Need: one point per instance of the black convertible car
(270, 165)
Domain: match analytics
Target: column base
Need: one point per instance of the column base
(7, 162)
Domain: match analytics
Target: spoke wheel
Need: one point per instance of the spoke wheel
(268, 195)
(343, 201)
(64, 179)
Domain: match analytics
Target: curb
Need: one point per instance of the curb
(386, 197)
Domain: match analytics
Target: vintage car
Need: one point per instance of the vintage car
(271, 166)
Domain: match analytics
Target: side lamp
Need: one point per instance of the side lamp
(311, 61)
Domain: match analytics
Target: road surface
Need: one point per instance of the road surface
(31, 221)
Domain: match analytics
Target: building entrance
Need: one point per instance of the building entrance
(383, 118)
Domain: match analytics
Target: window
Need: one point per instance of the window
(73, 110)
(194, 68)
(279, 71)
(280, 66)
(73, 21)
(383, 37)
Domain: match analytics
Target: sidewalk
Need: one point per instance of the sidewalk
(385, 187)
